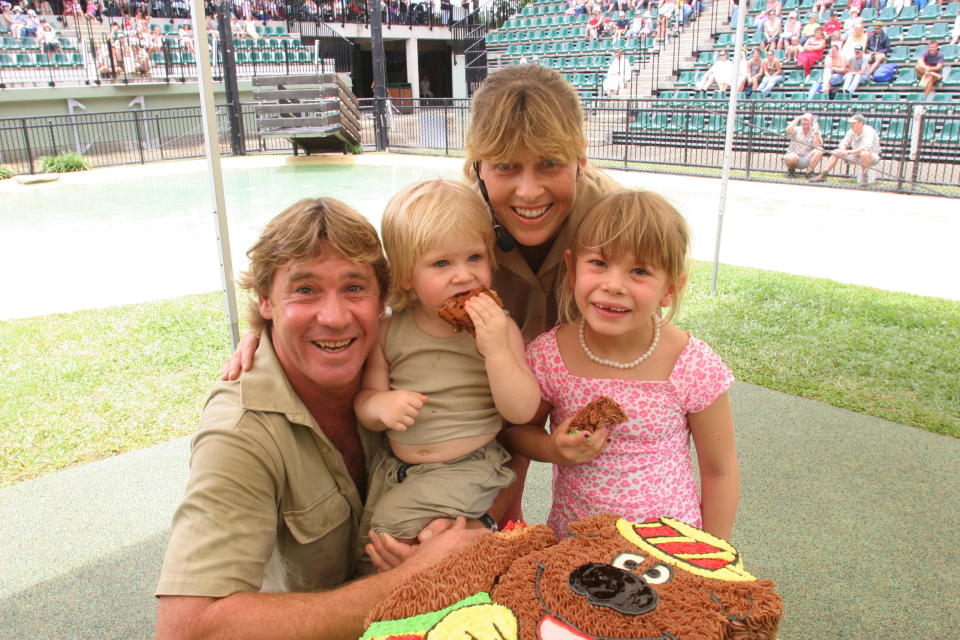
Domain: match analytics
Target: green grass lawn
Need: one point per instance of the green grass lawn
(80, 386)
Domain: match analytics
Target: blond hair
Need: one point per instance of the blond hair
(298, 234)
(527, 107)
(424, 215)
(631, 222)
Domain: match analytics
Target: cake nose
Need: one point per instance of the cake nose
(607, 586)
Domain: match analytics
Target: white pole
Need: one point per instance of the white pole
(728, 141)
(207, 108)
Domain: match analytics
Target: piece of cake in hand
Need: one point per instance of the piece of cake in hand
(602, 412)
(452, 310)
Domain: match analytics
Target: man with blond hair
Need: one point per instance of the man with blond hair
(267, 541)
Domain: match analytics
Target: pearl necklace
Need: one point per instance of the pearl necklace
(622, 365)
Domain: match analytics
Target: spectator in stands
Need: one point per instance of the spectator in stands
(446, 9)
(811, 51)
(618, 74)
(809, 27)
(719, 73)
(620, 27)
(48, 38)
(9, 14)
(856, 5)
(930, 68)
(772, 70)
(772, 29)
(857, 68)
(861, 147)
(155, 41)
(850, 22)
(665, 13)
(955, 35)
(734, 12)
(594, 25)
(93, 11)
(642, 25)
(250, 29)
(792, 28)
(858, 38)
(186, 37)
(832, 28)
(834, 68)
(877, 47)
(792, 50)
(31, 25)
(750, 81)
(806, 145)
(822, 8)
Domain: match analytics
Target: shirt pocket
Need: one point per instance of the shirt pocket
(319, 519)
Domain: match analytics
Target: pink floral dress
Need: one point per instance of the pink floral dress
(646, 470)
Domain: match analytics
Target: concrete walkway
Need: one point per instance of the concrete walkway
(856, 519)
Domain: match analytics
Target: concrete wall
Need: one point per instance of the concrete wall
(17, 103)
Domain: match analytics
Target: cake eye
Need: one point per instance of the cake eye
(628, 561)
(657, 574)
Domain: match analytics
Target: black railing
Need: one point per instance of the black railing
(921, 143)
(921, 148)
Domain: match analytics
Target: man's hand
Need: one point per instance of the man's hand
(490, 323)
(445, 538)
(580, 447)
(242, 358)
(398, 409)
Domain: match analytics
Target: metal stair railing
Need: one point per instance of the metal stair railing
(468, 36)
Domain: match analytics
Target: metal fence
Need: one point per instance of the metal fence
(921, 142)
(123, 137)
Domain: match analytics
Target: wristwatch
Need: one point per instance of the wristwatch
(488, 521)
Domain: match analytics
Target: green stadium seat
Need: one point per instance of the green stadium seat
(916, 32)
(888, 14)
(61, 60)
(909, 13)
(26, 60)
(686, 79)
(953, 79)
(938, 31)
(951, 10)
(893, 31)
(68, 44)
(868, 14)
(930, 12)
(7, 60)
(899, 54)
(793, 78)
(905, 77)
(167, 28)
(9, 43)
(705, 59)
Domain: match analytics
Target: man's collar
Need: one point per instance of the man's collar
(266, 388)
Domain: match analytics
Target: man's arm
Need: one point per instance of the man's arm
(332, 615)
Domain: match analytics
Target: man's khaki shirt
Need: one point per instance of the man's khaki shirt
(270, 504)
(532, 297)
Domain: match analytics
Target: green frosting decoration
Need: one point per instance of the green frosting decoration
(419, 625)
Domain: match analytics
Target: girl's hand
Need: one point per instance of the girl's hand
(490, 323)
(580, 447)
(242, 358)
(399, 409)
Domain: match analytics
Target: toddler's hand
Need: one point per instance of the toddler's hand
(580, 447)
(399, 409)
(490, 323)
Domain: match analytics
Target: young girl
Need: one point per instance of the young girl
(440, 395)
(627, 263)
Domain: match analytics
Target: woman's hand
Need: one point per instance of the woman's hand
(242, 358)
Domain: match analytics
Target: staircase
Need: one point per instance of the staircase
(679, 50)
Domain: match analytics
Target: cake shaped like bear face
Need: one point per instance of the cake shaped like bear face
(657, 580)
(610, 579)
